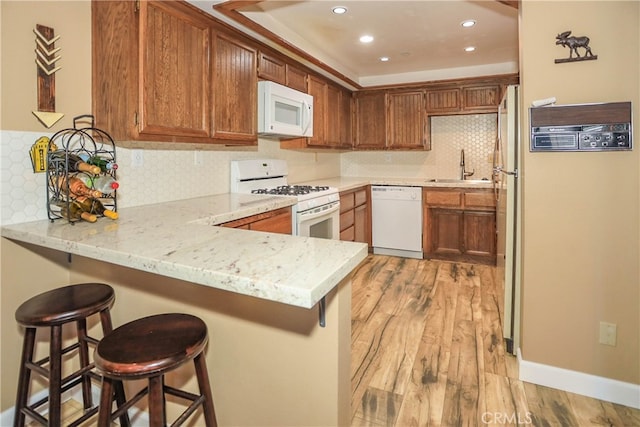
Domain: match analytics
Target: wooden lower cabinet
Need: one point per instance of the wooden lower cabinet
(355, 215)
(277, 221)
(446, 229)
(460, 225)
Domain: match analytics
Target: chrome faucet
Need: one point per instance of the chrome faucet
(463, 173)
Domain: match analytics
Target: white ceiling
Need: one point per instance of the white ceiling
(423, 39)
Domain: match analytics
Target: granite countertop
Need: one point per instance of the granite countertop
(177, 239)
(349, 183)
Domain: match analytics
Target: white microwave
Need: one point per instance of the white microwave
(284, 112)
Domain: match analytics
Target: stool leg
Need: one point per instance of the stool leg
(157, 415)
(55, 375)
(106, 399)
(205, 390)
(105, 321)
(81, 326)
(24, 377)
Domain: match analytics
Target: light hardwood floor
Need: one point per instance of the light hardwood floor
(427, 350)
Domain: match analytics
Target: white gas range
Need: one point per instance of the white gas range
(317, 213)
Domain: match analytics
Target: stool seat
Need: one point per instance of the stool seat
(53, 309)
(151, 345)
(65, 304)
(149, 348)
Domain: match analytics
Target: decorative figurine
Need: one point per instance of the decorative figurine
(573, 43)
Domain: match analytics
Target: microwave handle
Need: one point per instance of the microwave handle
(306, 117)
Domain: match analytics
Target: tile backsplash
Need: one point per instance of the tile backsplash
(181, 171)
(476, 134)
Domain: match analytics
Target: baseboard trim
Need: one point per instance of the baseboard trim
(607, 389)
(138, 418)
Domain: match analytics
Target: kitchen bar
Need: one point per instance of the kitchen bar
(267, 353)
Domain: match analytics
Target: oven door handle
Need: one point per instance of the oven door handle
(313, 215)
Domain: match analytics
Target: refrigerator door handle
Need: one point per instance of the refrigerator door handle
(498, 169)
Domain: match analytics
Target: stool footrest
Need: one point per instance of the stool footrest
(129, 403)
(29, 411)
(88, 414)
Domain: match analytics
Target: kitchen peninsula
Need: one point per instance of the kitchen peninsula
(270, 361)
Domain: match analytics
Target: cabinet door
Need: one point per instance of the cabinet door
(443, 100)
(270, 68)
(235, 84)
(371, 123)
(296, 78)
(318, 89)
(481, 98)
(446, 232)
(174, 71)
(407, 120)
(346, 118)
(333, 116)
(480, 234)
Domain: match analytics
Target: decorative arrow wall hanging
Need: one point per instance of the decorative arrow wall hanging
(46, 65)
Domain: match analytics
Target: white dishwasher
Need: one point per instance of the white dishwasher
(396, 217)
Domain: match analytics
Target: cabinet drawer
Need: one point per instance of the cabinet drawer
(346, 219)
(347, 202)
(479, 200)
(361, 197)
(444, 198)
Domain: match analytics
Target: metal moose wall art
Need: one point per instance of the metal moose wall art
(573, 43)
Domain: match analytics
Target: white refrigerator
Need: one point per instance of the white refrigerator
(507, 186)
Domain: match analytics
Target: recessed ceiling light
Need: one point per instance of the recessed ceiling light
(384, 58)
(468, 23)
(469, 48)
(366, 39)
(339, 10)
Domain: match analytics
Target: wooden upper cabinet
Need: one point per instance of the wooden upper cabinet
(371, 120)
(346, 118)
(151, 71)
(443, 100)
(235, 94)
(333, 115)
(270, 68)
(276, 70)
(338, 120)
(407, 120)
(296, 78)
(318, 89)
(174, 66)
(481, 97)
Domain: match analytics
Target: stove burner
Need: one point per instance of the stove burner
(291, 190)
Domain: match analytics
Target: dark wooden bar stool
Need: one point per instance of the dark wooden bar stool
(149, 348)
(53, 309)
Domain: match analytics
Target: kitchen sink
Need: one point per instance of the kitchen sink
(459, 181)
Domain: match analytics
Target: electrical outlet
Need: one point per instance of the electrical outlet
(608, 333)
(137, 158)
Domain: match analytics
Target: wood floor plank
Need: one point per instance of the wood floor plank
(593, 412)
(493, 343)
(371, 275)
(506, 402)
(549, 406)
(424, 399)
(379, 407)
(629, 416)
(462, 396)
